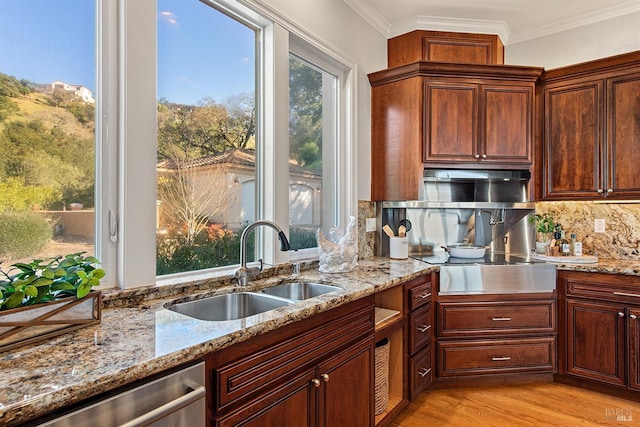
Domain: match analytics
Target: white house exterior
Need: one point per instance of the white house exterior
(231, 175)
(79, 91)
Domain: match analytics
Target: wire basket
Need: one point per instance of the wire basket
(381, 393)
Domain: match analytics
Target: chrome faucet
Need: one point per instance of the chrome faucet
(243, 272)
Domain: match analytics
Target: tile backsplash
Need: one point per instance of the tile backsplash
(621, 239)
(366, 241)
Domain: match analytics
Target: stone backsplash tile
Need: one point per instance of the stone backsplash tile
(366, 241)
(621, 240)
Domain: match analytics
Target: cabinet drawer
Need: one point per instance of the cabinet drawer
(248, 376)
(603, 291)
(493, 357)
(420, 373)
(420, 328)
(496, 318)
(419, 295)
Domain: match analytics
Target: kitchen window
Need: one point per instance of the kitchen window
(135, 112)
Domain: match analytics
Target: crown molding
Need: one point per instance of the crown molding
(578, 20)
(369, 14)
(459, 25)
(501, 28)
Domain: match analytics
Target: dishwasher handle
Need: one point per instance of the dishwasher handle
(175, 405)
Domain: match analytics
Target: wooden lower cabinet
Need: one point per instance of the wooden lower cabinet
(496, 356)
(483, 336)
(346, 387)
(599, 332)
(596, 341)
(316, 372)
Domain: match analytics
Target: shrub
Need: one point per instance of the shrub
(175, 254)
(301, 238)
(23, 233)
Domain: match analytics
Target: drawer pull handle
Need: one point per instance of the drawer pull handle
(315, 382)
(423, 296)
(325, 377)
(424, 372)
(501, 319)
(424, 328)
(626, 294)
(500, 359)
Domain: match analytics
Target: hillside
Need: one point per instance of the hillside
(36, 106)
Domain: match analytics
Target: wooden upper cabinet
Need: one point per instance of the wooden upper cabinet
(429, 114)
(451, 121)
(486, 123)
(623, 144)
(440, 46)
(591, 130)
(573, 135)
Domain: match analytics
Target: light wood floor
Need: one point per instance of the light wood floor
(547, 404)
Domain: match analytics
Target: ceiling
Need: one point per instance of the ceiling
(512, 20)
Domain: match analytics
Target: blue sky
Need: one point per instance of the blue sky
(201, 53)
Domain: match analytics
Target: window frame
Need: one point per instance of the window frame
(129, 88)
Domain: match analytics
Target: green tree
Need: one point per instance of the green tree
(61, 97)
(191, 132)
(12, 87)
(305, 114)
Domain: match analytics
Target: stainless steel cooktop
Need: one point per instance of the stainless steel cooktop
(493, 274)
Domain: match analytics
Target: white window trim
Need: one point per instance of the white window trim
(136, 135)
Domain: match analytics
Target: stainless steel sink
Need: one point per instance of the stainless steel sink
(229, 306)
(299, 290)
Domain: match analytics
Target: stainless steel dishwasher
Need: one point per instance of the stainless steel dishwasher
(174, 400)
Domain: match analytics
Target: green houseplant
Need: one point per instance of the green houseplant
(42, 298)
(40, 282)
(545, 226)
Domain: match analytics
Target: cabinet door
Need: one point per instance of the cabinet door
(596, 341)
(634, 348)
(451, 122)
(346, 390)
(573, 134)
(292, 404)
(506, 124)
(624, 136)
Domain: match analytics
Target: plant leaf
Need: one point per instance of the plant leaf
(31, 291)
(49, 274)
(42, 281)
(82, 274)
(93, 281)
(83, 290)
(60, 272)
(92, 260)
(15, 300)
(61, 285)
(98, 273)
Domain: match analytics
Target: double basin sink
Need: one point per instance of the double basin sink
(234, 306)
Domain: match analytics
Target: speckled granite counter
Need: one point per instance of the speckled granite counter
(135, 341)
(606, 266)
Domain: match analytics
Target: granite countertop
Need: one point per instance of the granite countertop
(606, 266)
(141, 338)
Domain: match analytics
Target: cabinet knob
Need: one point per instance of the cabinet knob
(315, 382)
(610, 190)
(477, 156)
(620, 314)
(325, 377)
(484, 156)
(633, 316)
(600, 190)
(424, 372)
(424, 328)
